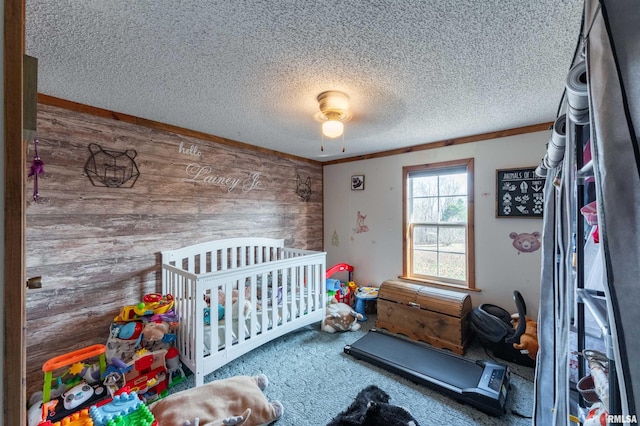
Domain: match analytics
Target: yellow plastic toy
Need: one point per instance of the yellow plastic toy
(152, 304)
(79, 418)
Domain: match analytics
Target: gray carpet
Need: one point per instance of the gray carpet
(315, 380)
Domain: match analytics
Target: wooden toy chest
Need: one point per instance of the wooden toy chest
(437, 316)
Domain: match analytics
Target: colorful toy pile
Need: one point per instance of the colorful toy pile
(363, 299)
(123, 409)
(142, 366)
(152, 320)
(338, 291)
(142, 336)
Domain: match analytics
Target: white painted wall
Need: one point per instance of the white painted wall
(377, 254)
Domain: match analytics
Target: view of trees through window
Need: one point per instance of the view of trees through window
(438, 219)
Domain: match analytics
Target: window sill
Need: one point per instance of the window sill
(438, 284)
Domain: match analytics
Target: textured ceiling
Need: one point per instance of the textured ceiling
(415, 71)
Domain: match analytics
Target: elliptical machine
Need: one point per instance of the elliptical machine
(493, 326)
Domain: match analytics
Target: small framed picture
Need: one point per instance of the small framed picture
(357, 182)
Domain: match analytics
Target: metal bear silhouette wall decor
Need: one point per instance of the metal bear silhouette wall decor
(113, 169)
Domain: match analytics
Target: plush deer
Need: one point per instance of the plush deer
(341, 317)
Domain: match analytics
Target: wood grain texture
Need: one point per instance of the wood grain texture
(98, 248)
(14, 360)
(441, 331)
(439, 317)
(448, 302)
(74, 106)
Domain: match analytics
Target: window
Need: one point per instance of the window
(438, 223)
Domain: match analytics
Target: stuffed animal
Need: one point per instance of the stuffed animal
(234, 401)
(529, 339)
(247, 306)
(235, 295)
(155, 331)
(221, 297)
(234, 298)
(340, 317)
(528, 345)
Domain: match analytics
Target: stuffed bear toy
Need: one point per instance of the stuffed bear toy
(234, 401)
(529, 339)
(340, 317)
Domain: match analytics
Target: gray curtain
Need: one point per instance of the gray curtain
(556, 294)
(611, 41)
(548, 406)
(613, 70)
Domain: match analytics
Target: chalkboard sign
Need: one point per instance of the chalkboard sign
(519, 193)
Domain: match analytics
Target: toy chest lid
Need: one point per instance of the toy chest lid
(448, 302)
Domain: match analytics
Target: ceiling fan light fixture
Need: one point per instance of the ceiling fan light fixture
(334, 107)
(332, 128)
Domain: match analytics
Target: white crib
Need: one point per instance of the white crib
(283, 289)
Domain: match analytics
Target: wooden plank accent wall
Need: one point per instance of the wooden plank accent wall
(98, 248)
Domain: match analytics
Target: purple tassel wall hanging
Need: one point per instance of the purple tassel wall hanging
(37, 168)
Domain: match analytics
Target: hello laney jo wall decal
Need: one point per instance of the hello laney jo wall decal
(206, 174)
(191, 151)
(112, 169)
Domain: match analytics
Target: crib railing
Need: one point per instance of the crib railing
(278, 290)
(225, 254)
